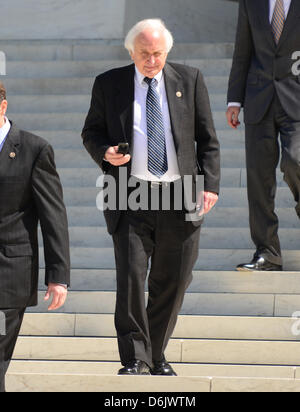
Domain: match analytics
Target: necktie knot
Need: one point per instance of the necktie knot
(149, 81)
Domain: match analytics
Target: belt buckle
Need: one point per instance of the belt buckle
(159, 184)
(155, 184)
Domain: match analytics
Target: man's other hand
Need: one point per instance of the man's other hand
(232, 115)
(206, 201)
(59, 293)
(116, 159)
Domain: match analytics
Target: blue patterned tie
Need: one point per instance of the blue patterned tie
(157, 152)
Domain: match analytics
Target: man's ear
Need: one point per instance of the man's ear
(3, 107)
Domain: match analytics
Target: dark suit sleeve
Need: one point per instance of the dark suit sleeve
(48, 198)
(208, 148)
(94, 132)
(241, 58)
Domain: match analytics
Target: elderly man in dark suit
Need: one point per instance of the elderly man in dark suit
(264, 81)
(162, 111)
(30, 193)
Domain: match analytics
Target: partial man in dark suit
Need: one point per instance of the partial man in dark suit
(30, 193)
(162, 111)
(264, 82)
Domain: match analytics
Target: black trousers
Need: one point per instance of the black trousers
(13, 322)
(171, 244)
(262, 156)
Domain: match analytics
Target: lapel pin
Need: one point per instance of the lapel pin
(178, 94)
(12, 155)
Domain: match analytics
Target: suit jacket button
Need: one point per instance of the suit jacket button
(12, 155)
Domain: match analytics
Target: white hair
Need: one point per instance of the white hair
(139, 27)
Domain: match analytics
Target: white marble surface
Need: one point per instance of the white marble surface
(105, 383)
(188, 327)
(182, 369)
(77, 349)
(2, 64)
(190, 21)
(39, 382)
(62, 19)
(255, 385)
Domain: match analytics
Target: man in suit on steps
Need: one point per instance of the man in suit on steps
(161, 110)
(264, 82)
(30, 193)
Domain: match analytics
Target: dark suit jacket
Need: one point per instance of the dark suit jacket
(260, 67)
(30, 192)
(110, 121)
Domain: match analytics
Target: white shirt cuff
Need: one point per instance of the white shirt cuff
(231, 104)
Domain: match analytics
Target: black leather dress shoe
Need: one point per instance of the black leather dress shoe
(258, 263)
(135, 367)
(162, 368)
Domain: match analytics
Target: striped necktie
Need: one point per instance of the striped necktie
(157, 152)
(278, 20)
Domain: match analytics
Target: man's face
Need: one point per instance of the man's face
(3, 108)
(149, 53)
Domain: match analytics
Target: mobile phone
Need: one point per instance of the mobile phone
(123, 148)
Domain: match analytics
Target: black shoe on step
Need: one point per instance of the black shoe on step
(162, 368)
(135, 367)
(258, 263)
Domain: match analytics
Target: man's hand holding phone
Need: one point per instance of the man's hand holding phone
(117, 155)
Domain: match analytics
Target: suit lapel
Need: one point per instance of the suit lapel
(10, 149)
(176, 99)
(291, 20)
(125, 101)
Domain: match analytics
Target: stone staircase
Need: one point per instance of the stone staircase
(235, 331)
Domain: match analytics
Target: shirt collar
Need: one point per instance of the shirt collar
(4, 130)
(140, 77)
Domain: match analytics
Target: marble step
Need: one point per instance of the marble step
(229, 196)
(87, 177)
(209, 259)
(49, 86)
(83, 85)
(283, 375)
(214, 351)
(182, 369)
(212, 238)
(238, 217)
(74, 103)
(188, 326)
(84, 50)
(75, 121)
(209, 281)
(91, 68)
(216, 304)
(79, 158)
(68, 139)
(41, 382)
(226, 217)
